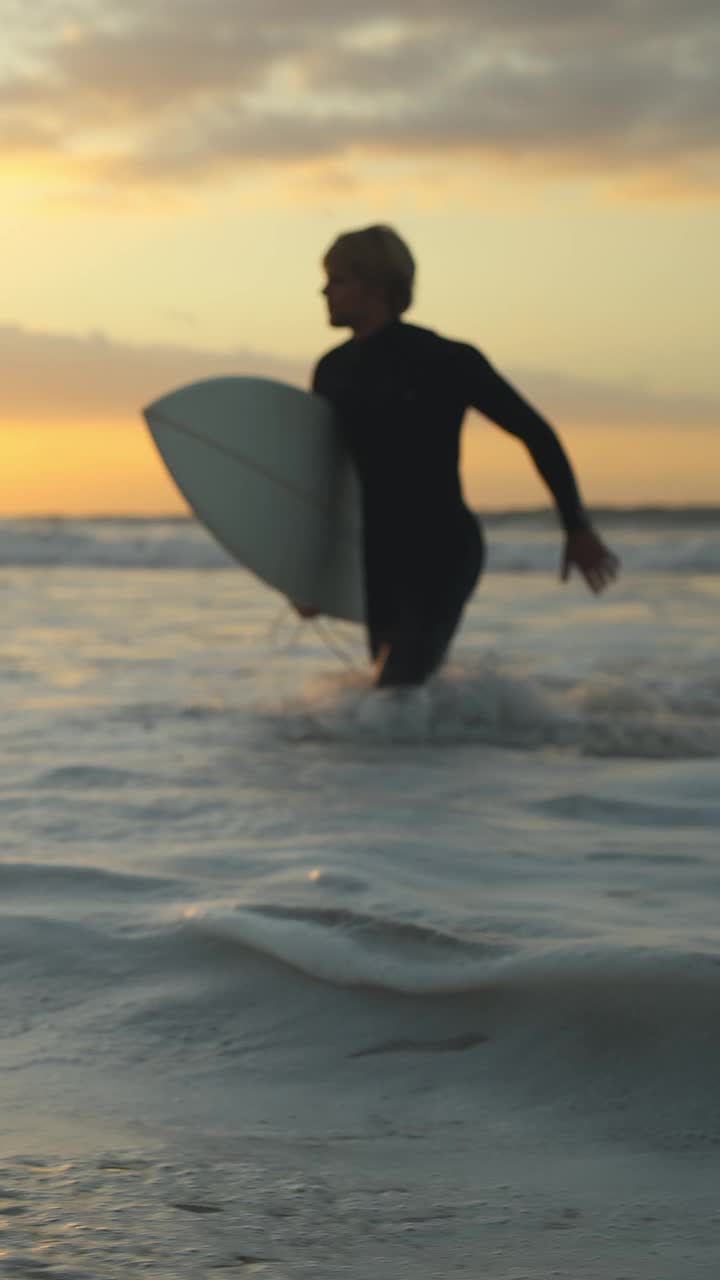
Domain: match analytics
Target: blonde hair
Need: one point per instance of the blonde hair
(379, 257)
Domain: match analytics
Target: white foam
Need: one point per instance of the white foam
(503, 704)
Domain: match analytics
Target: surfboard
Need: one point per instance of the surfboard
(263, 467)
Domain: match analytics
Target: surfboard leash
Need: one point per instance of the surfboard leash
(323, 629)
(331, 642)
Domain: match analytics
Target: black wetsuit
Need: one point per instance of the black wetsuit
(400, 396)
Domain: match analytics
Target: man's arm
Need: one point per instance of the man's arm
(502, 404)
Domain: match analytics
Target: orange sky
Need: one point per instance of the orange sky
(171, 180)
(113, 469)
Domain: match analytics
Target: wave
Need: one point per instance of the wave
(352, 949)
(616, 1034)
(42, 880)
(651, 539)
(113, 543)
(654, 516)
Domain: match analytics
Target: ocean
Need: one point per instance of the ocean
(305, 980)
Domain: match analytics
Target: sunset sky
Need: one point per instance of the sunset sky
(173, 170)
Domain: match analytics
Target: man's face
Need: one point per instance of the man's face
(350, 300)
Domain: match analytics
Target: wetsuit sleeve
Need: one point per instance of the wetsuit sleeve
(488, 392)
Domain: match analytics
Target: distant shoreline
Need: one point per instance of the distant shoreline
(643, 511)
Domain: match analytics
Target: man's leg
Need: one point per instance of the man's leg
(411, 655)
(409, 651)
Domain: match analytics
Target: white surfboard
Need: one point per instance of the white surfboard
(262, 465)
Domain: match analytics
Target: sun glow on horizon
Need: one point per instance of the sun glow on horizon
(50, 470)
(114, 469)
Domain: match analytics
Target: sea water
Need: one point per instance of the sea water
(302, 979)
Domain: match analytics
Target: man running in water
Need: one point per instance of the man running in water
(400, 393)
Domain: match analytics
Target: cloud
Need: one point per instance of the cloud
(589, 402)
(173, 92)
(95, 380)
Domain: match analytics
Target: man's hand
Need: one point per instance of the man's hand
(586, 552)
(305, 611)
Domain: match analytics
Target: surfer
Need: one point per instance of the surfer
(400, 393)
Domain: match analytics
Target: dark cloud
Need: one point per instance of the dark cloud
(94, 380)
(173, 90)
